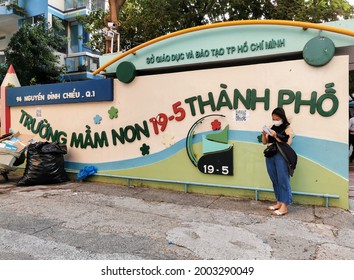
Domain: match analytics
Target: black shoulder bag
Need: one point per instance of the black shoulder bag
(270, 151)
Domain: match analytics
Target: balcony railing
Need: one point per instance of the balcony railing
(81, 62)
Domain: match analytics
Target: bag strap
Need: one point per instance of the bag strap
(291, 170)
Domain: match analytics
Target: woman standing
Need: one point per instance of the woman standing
(277, 166)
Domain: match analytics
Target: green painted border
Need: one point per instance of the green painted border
(248, 159)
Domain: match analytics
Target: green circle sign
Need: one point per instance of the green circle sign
(126, 72)
(318, 51)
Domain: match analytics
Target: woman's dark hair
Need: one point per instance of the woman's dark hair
(281, 113)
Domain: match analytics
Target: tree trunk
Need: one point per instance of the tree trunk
(114, 9)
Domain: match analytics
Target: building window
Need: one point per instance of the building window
(2, 57)
(88, 4)
(76, 4)
(98, 5)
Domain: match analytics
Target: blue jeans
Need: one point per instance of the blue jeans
(278, 172)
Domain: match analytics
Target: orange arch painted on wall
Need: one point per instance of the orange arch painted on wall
(229, 23)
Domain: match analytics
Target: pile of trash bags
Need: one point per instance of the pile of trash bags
(44, 165)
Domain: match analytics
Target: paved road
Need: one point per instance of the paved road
(87, 220)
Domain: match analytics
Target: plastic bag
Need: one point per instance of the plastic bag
(45, 164)
(86, 171)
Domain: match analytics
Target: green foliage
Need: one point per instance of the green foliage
(312, 10)
(94, 23)
(32, 53)
(143, 20)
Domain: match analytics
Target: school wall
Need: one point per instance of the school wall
(150, 129)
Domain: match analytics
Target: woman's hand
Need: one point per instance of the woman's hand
(274, 134)
(264, 137)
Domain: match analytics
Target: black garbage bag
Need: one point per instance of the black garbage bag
(21, 159)
(45, 164)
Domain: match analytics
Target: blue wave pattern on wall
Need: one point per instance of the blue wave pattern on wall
(329, 154)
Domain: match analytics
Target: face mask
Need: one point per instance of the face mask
(278, 123)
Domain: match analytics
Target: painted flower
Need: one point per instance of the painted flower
(216, 125)
(145, 149)
(113, 112)
(97, 119)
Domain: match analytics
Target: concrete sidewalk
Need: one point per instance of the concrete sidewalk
(102, 221)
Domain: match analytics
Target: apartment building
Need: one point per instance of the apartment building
(80, 60)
